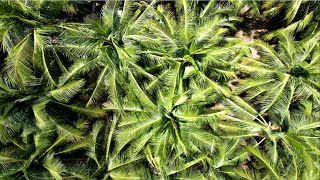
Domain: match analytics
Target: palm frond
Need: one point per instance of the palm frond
(258, 154)
(99, 89)
(292, 10)
(78, 68)
(18, 64)
(54, 166)
(66, 92)
(93, 112)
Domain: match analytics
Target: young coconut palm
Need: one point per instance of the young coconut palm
(292, 10)
(284, 149)
(102, 44)
(25, 33)
(34, 127)
(283, 76)
(171, 109)
(196, 39)
(167, 133)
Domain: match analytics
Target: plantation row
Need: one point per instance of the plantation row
(159, 90)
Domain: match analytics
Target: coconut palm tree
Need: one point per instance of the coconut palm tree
(26, 30)
(283, 76)
(291, 10)
(32, 128)
(102, 44)
(171, 108)
(165, 130)
(282, 86)
(283, 150)
(196, 39)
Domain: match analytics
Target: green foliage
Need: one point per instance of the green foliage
(158, 90)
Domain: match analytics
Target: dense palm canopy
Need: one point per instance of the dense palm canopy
(158, 90)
